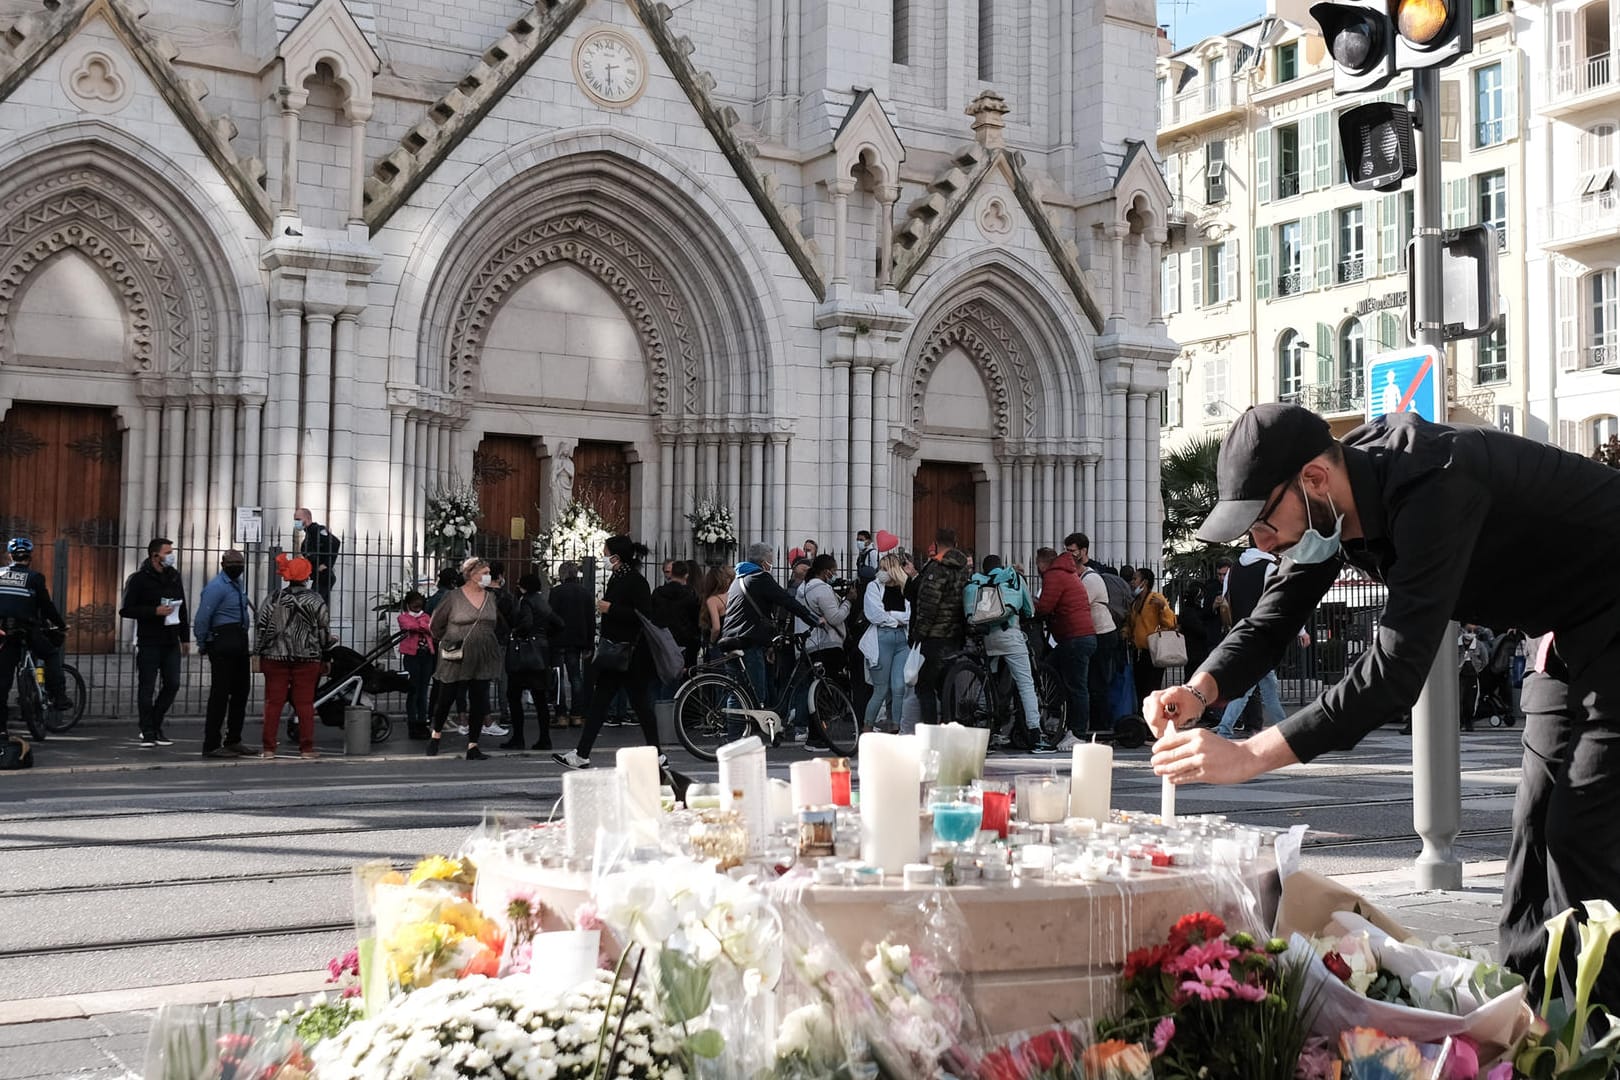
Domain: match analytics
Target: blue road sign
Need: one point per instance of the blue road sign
(1406, 380)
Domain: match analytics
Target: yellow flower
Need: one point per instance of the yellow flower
(435, 868)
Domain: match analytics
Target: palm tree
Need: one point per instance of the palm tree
(1187, 482)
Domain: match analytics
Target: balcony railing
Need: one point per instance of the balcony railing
(1488, 132)
(1594, 73)
(1287, 185)
(1329, 400)
(1352, 269)
(1602, 355)
(1591, 217)
(1209, 99)
(1290, 284)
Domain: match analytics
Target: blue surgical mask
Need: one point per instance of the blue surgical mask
(169, 560)
(1313, 547)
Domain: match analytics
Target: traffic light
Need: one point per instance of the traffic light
(1379, 151)
(1361, 40)
(1432, 33)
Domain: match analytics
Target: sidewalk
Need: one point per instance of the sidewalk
(1468, 915)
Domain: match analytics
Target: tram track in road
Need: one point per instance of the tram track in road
(256, 877)
(8, 820)
(169, 940)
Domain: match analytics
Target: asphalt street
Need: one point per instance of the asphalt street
(137, 877)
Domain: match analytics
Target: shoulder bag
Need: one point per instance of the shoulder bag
(1167, 649)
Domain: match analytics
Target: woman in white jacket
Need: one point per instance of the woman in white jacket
(884, 644)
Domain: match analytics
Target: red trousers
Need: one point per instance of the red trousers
(292, 680)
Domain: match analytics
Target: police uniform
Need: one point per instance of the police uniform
(25, 607)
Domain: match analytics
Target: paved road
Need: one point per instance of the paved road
(135, 877)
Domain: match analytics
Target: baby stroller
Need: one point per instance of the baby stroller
(354, 679)
(1484, 687)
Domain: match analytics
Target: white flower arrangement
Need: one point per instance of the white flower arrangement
(499, 1028)
(452, 519)
(578, 533)
(392, 598)
(712, 522)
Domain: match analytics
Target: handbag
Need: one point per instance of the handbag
(613, 655)
(526, 654)
(448, 651)
(1167, 649)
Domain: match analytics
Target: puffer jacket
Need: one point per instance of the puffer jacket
(936, 598)
(293, 626)
(1064, 599)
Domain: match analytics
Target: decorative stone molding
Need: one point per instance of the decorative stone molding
(612, 258)
(1063, 252)
(165, 294)
(329, 34)
(866, 129)
(995, 221)
(94, 80)
(31, 40)
(930, 217)
(977, 329)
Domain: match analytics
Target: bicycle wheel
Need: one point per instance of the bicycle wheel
(30, 704)
(1054, 702)
(836, 714)
(701, 712)
(58, 721)
(965, 696)
(382, 726)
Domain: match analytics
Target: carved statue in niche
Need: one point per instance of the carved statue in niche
(562, 475)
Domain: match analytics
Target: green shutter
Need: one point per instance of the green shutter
(1389, 234)
(1324, 354)
(1198, 276)
(1324, 249)
(1323, 156)
(1262, 264)
(1262, 165)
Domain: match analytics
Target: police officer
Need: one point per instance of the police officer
(1434, 512)
(27, 615)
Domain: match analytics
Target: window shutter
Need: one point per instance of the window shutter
(1305, 139)
(1172, 179)
(1457, 203)
(1172, 284)
(1569, 354)
(1324, 249)
(1307, 252)
(1389, 332)
(1389, 234)
(1324, 150)
(1451, 124)
(1262, 264)
(1229, 271)
(1510, 95)
(1564, 50)
(1173, 399)
(1197, 277)
(1262, 165)
(1324, 354)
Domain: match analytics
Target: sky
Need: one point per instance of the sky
(1190, 21)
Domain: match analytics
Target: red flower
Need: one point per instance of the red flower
(1052, 1048)
(1147, 959)
(1336, 964)
(1195, 930)
(1000, 1065)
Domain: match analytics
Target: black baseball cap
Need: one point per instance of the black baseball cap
(1266, 446)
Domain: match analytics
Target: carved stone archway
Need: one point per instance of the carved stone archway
(980, 331)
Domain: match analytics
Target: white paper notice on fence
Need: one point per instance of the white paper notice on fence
(249, 525)
(173, 617)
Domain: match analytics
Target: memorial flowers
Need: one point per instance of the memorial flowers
(452, 520)
(578, 532)
(428, 927)
(1554, 1045)
(712, 522)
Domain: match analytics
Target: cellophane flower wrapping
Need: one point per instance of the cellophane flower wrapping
(229, 1041)
(419, 926)
(711, 947)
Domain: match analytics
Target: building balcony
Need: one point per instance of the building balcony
(1290, 284)
(1333, 400)
(1586, 84)
(1581, 223)
(1603, 354)
(1204, 105)
(1351, 269)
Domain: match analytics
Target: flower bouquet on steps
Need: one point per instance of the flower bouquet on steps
(713, 527)
(452, 519)
(578, 533)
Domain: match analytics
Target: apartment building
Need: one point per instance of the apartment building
(1280, 279)
(1570, 140)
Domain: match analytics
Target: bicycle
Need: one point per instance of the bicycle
(31, 704)
(718, 696)
(975, 691)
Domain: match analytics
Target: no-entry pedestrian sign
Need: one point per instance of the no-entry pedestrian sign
(1406, 380)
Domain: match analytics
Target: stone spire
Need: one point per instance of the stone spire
(989, 111)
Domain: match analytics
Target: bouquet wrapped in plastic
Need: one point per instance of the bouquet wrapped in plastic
(419, 927)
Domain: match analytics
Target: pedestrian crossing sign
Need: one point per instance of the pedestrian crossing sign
(1406, 380)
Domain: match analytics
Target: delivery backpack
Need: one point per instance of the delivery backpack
(989, 609)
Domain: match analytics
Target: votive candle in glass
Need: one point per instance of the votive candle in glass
(995, 796)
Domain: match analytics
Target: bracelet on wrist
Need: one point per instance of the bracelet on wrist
(1202, 700)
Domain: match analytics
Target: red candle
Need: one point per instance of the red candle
(840, 781)
(997, 808)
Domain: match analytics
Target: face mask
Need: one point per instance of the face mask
(484, 580)
(297, 523)
(883, 577)
(233, 572)
(169, 560)
(1313, 547)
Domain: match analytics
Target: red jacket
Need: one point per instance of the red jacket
(1064, 598)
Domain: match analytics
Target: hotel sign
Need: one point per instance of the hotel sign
(1382, 303)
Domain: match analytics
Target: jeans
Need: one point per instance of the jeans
(292, 680)
(756, 666)
(418, 712)
(934, 650)
(477, 693)
(1024, 680)
(1270, 691)
(232, 681)
(638, 687)
(151, 701)
(889, 678)
(571, 661)
(832, 661)
(1563, 849)
(1106, 664)
(1074, 657)
(1147, 677)
(535, 682)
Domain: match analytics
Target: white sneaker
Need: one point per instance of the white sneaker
(455, 728)
(571, 760)
(1069, 742)
(497, 731)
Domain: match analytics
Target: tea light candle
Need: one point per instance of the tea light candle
(637, 767)
(891, 801)
(839, 769)
(744, 787)
(1167, 790)
(779, 797)
(812, 782)
(919, 876)
(1042, 799)
(1091, 781)
(1036, 856)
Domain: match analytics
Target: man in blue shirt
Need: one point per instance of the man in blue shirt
(223, 619)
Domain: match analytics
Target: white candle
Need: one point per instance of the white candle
(743, 787)
(1038, 856)
(637, 766)
(779, 795)
(812, 782)
(891, 801)
(1167, 790)
(1042, 800)
(1091, 782)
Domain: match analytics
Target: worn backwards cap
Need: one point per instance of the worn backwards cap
(1266, 446)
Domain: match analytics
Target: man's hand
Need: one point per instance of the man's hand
(1304, 640)
(1176, 705)
(1200, 756)
(602, 607)
(165, 610)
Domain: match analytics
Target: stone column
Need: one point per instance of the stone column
(413, 485)
(398, 471)
(888, 195)
(1005, 504)
(282, 496)
(339, 513)
(315, 441)
(666, 491)
(840, 189)
(151, 459)
(776, 496)
(1155, 275)
(861, 454)
(732, 491)
(1136, 476)
(882, 456)
(1027, 535)
(837, 505)
(1067, 505)
(430, 456)
(194, 503)
(1045, 469)
(754, 524)
(293, 100)
(222, 493)
(174, 468)
(1116, 235)
(135, 504)
(1089, 513)
(689, 473)
(711, 465)
(1111, 499)
(252, 455)
(357, 116)
(447, 453)
(1155, 496)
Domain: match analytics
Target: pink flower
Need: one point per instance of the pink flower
(1248, 992)
(586, 918)
(1464, 1061)
(1317, 1061)
(1210, 984)
(1214, 953)
(1163, 1032)
(1503, 1071)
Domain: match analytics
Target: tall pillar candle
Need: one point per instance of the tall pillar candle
(638, 767)
(1167, 790)
(1091, 782)
(891, 800)
(812, 782)
(743, 787)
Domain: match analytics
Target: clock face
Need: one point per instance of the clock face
(610, 68)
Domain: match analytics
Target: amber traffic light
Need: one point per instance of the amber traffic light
(1432, 33)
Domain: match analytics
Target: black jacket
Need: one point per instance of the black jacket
(572, 602)
(749, 603)
(532, 616)
(26, 598)
(319, 547)
(676, 608)
(627, 593)
(145, 590)
(936, 598)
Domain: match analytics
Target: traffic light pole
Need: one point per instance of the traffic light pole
(1436, 748)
